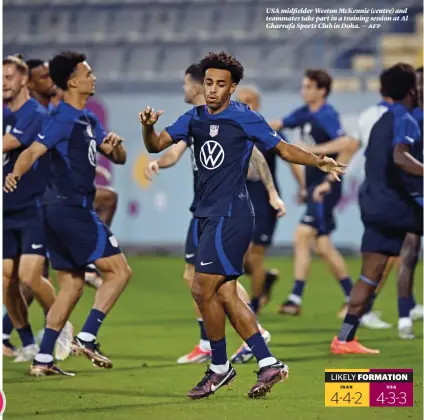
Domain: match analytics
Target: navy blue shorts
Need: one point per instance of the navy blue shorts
(223, 242)
(192, 241)
(321, 215)
(382, 241)
(76, 237)
(23, 233)
(265, 215)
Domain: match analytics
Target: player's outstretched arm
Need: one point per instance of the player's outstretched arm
(406, 161)
(167, 159)
(24, 163)
(154, 143)
(10, 143)
(295, 154)
(335, 146)
(113, 148)
(259, 162)
(276, 125)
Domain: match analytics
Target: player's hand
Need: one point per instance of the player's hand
(320, 191)
(329, 165)
(152, 168)
(149, 117)
(277, 204)
(11, 182)
(302, 196)
(113, 139)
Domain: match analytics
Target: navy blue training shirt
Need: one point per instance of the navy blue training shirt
(316, 128)
(414, 184)
(72, 136)
(383, 193)
(24, 124)
(222, 147)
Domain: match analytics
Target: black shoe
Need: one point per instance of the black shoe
(211, 383)
(269, 376)
(91, 350)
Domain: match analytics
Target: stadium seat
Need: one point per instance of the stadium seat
(419, 24)
(92, 25)
(346, 84)
(250, 57)
(392, 59)
(176, 60)
(108, 63)
(364, 62)
(232, 20)
(161, 23)
(127, 24)
(373, 84)
(16, 26)
(58, 23)
(142, 63)
(197, 22)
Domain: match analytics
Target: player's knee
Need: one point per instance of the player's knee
(189, 276)
(200, 292)
(124, 272)
(301, 237)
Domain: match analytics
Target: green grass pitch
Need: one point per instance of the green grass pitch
(153, 324)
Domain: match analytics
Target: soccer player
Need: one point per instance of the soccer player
(41, 85)
(386, 210)
(224, 133)
(409, 254)
(24, 247)
(366, 121)
(193, 94)
(72, 134)
(319, 123)
(265, 216)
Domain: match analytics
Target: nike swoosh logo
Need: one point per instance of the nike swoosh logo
(99, 320)
(189, 255)
(17, 131)
(34, 246)
(203, 264)
(215, 387)
(411, 140)
(41, 137)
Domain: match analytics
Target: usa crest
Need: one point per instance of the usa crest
(213, 130)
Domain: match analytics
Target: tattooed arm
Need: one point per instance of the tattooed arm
(258, 161)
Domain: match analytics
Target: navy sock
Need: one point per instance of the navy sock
(258, 346)
(49, 340)
(405, 305)
(254, 305)
(346, 285)
(297, 292)
(370, 303)
(26, 335)
(219, 352)
(7, 325)
(93, 322)
(349, 327)
(203, 335)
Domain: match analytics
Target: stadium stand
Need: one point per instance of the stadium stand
(144, 43)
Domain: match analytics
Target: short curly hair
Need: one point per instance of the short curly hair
(223, 61)
(62, 65)
(397, 81)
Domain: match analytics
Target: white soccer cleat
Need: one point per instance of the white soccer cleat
(64, 342)
(405, 329)
(27, 354)
(373, 321)
(417, 312)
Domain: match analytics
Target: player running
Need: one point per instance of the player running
(72, 134)
(24, 248)
(319, 123)
(386, 209)
(408, 309)
(224, 133)
(193, 94)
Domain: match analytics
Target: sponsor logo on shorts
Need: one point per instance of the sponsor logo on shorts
(308, 219)
(36, 246)
(205, 263)
(188, 256)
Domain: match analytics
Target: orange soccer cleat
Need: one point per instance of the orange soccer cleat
(350, 347)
